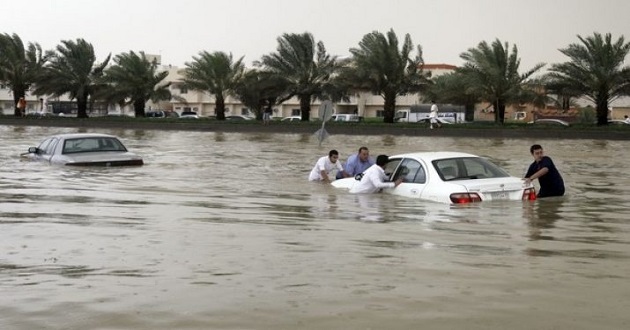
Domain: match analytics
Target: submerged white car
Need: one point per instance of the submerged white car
(450, 177)
(83, 149)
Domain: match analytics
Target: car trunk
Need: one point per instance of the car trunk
(105, 159)
(496, 189)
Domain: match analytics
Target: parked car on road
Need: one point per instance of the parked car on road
(238, 117)
(189, 114)
(549, 121)
(618, 122)
(83, 149)
(292, 119)
(345, 117)
(439, 120)
(161, 114)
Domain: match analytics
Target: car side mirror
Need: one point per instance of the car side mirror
(32, 150)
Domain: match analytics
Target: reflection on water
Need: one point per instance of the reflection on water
(222, 230)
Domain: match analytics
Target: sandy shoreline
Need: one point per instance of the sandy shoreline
(603, 133)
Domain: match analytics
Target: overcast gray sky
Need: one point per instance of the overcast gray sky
(180, 29)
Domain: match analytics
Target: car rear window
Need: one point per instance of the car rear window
(92, 144)
(467, 168)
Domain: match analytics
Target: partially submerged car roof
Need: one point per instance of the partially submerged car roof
(433, 155)
(82, 135)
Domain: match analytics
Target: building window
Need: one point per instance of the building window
(296, 112)
(380, 113)
(183, 90)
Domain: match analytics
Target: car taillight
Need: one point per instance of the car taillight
(464, 198)
(529, 194)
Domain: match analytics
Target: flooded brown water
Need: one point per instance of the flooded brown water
(223, 231)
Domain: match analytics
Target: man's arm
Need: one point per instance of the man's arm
(537, 175)
(380, 184)
(324, 176)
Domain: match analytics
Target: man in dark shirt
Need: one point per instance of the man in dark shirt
(543, 169)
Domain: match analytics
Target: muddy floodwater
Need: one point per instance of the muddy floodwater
(223, 231)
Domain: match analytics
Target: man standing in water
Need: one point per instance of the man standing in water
(373, 179)
(543, 169)
(357, 163)
(326, 168)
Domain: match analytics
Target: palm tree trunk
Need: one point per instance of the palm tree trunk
(390, 107)
(82, 106)
(138, 107)
(499, 113)
(220, 107)
(469, 112)
(17, 93)
(305, 106)
(602, 109)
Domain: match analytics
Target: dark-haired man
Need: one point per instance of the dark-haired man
(326, 168)
(373, 179)
(543, 169)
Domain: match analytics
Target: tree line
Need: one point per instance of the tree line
(301, 67)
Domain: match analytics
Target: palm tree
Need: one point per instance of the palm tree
(380, 66)
(561, 94)
(304, 66)
(216, 73)
(492, 72)
(595, 71)
(258, 90)
(135, 80)
(452, 88)
(73, 70)
(19, 66)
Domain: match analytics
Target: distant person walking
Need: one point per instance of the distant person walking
(267, 116)
(543, 169)
(626, 119)
(433, 115)
(22, 106)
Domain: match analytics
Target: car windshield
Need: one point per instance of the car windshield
(467, 168)
(92, 144)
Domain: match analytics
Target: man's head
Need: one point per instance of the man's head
(381, 160)
(537, 151)
(364, 154)
(333, 155)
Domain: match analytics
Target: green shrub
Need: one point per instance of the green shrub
(587, 115)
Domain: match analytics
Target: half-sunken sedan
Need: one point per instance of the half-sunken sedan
(450, 177)
(83, 149)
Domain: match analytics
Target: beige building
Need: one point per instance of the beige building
(363, 104)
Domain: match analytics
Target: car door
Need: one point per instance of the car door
(43, 150)
(49, 151)
(413, 174)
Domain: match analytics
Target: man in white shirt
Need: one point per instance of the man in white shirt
(326, 168)
(433, 115)
(626, 119)
(373, 179)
